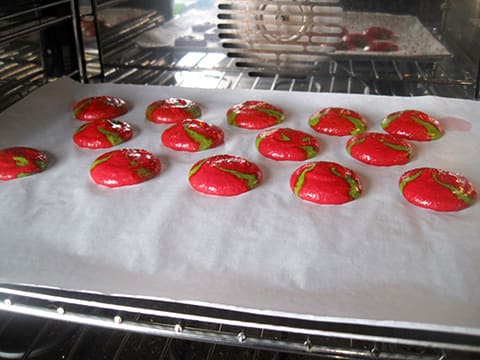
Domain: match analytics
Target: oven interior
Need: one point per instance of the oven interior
(201, 43)
(209, 51)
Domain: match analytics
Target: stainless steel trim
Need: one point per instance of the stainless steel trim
(224, 338)
(16, 301)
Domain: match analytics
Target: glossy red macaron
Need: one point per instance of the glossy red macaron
(192, 135)
(382, 46)
(378, 33)
(324, 182)
(99, 107)
(255, 115)
(124, 167)
(338, 122)
(380, 149)
(353, 41)
(437, 189)
(287, 144)
(413, 125)
(20, 161)
(224, 175)
(102, 134)
(172, 110)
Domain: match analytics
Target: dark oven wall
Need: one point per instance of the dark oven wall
(430, 7)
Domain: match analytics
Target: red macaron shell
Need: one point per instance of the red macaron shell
(124, 167)
(255, 115)
(338, 122)
(326, 183)
(18, 161)
(102, 134)
(382, 46)
(380, 149)
(352, 41)
(99, 107)
(224, 175)
(192, 135)
(172, 110)
(285, 144)
(378, 33)
(413, 125)
(437, 189)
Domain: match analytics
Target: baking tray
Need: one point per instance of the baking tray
(376, 260)
(414, 40)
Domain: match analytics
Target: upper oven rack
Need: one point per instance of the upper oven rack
(27, 55)
(240, 329)
(20, 76)
(120, 58)
(394, 77)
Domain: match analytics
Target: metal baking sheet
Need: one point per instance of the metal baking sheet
(415, 41)
(412, 37)
(375, 260)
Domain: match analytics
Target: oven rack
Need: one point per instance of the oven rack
(394, 77)
(117, 57)
(20, 72)
(115, 38)
(27, 57)
(198, 323)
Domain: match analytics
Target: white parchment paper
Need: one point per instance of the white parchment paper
(375, 259)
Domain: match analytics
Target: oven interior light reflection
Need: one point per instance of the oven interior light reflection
(205, 77)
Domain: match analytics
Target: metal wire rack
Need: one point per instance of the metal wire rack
(394, 77)
(19, 75)
(29, 56)
(118, 57)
